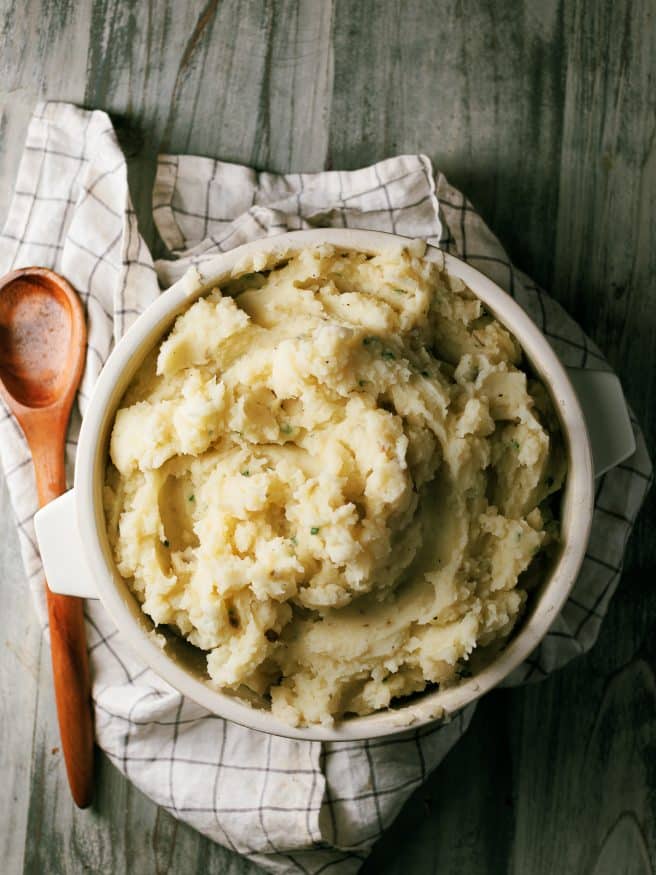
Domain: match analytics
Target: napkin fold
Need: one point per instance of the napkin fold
(290, 806)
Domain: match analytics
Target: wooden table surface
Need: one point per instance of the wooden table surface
(544, 113)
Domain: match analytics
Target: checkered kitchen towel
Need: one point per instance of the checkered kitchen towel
(291, 806)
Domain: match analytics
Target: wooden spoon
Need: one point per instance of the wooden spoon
(42, 348)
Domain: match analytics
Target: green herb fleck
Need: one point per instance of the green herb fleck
(286, 428)
(246, 473)
(514, 444)
(293, 540)
(362, 382)
(192, 498)
(401, 291)
(314, 530)
(388, 354)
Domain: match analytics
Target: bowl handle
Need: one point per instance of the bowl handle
(61, 549)
(606, 416)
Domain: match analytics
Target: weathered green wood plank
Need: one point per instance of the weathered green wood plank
(476, 86)
(587, 779)
(605, 257)
(19, 678)
(36, 58)
(247, 82)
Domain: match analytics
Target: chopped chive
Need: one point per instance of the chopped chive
(362, 382)
(401, 291)
(388, 354)
(286, 428)
(246, 473)
(293, 540)
(514, 444)
(314, 530)
(192, 498)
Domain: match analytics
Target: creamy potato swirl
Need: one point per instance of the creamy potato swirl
(332, 476)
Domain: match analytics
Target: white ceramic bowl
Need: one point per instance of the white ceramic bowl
(74, 544)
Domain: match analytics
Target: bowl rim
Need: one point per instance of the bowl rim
(428, 707)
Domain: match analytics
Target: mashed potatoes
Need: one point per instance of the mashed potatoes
(331, 476)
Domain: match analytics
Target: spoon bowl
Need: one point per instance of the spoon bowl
(36, 328)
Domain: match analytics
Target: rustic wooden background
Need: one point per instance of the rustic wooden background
(544, 113)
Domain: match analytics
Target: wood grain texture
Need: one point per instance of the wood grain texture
(19, 684)
(544, 114)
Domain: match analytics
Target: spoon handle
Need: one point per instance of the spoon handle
(70, 667)
(70, 671)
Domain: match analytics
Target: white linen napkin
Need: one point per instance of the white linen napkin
(291, 806)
